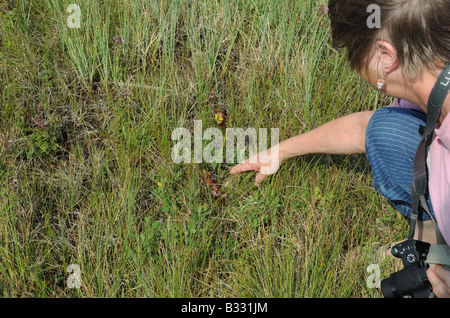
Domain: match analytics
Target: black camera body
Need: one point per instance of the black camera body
(412, 280)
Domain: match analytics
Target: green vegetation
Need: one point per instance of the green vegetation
(85, 161)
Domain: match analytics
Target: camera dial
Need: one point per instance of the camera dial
(411, 258)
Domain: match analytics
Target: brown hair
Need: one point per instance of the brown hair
(418, 29)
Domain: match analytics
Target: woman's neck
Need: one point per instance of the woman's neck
(421, 91)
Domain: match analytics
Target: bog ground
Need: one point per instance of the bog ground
(85, 162)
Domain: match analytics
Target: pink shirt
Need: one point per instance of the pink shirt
(439, 170)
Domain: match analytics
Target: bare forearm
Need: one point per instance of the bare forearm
(345, 135)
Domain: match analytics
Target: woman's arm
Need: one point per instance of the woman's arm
(342, 136)
(345, 135)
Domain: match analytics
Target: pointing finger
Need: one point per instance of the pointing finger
(245, 166)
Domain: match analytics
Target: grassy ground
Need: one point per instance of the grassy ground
(85, 161)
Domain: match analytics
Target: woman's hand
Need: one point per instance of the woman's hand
(439, 278)
(264, 163)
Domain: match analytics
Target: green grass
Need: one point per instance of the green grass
(95, 183)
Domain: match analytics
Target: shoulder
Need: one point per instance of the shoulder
(403, 103)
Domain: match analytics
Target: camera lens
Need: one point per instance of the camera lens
(388, 288)
(409, 282)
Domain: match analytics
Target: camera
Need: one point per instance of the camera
(412, 280)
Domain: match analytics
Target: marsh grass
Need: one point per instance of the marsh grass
(96, 187)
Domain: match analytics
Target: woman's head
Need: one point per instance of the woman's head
(418, 32)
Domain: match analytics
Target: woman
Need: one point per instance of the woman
(403, 58)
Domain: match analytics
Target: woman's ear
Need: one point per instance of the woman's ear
(388, 56)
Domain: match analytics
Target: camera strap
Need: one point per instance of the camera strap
(419, 187)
